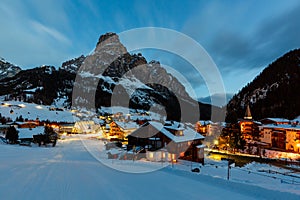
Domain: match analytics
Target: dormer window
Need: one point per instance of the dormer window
(179, 133)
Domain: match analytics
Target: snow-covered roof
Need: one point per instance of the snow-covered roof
(202, 122)
(174, 128)
(86, 126)
(201, 146)
(127, 125)
(140, 117)
(4, 125)
(282, 126)
(188, 133)
(257, 122)
(282, 120)
(174, 125)
(296, 119)
(29, 132)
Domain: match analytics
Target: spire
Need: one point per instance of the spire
(248, 113)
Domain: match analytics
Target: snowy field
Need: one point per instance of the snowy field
(70, 171)
(31, 111)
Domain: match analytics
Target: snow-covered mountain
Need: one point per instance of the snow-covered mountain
(274, 92)
(110, 76)
(41, 85)
(7, 69)
(73, 65)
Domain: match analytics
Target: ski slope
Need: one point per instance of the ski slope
(69, 171)
(31, 111)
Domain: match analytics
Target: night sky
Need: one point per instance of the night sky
(242, 37)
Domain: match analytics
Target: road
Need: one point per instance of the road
(69, 171)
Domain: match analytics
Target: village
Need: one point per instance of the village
(139, 136)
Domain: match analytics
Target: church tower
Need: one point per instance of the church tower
(248, 113)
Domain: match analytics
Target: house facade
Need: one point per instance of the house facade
(203, 127)
(167, 142)
(284, 137)
(67, 128)
(120, 130)
(86, 127)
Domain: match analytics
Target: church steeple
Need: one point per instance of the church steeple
(248, 113)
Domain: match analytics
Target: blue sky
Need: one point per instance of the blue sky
(242, 37)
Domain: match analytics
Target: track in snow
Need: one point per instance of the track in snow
(69, 171)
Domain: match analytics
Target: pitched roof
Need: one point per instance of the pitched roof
(281, 120)
(282, 126)
(188, 133)
(205, 122)
(127, 125)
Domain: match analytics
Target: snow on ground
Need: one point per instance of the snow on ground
(134, 114)
(256, 174)
(69, 171)
(32, 111)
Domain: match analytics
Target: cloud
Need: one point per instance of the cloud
(242, 37)
(230, 48)
(40, 28)
(279, 34)
(29, 37)
(245, 35)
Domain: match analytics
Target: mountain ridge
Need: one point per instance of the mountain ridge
(273, 93)
(143, 84)
(7, 69)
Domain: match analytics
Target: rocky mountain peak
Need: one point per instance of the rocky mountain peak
(111, 71)
(110, 76)
(7, 69)
(108, 38)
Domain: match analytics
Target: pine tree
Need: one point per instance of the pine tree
(234, 137)
(236, 140)
(48, 130)
(50, 135)
(12, 135)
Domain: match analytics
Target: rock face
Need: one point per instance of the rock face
(113, 77)
(7, 69)
(273, 93)
(73, 65)
(110, 76)
(41, 85)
